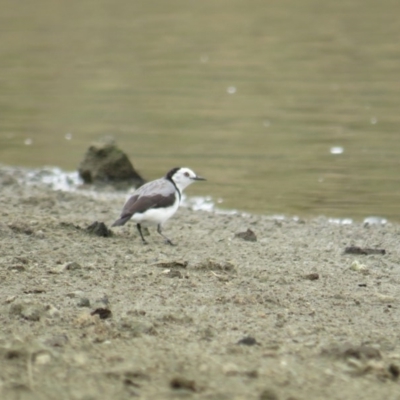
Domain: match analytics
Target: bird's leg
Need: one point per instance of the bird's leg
(166, 239)
(141, 234)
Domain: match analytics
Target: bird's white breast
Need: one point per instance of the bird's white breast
(156, 215)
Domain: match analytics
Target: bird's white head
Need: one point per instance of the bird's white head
(183, 177)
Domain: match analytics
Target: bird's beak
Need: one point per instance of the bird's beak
(199, 178)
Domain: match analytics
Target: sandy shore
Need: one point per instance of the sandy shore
(289, 316)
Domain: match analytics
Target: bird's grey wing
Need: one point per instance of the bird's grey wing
(156, 194)
(161, 186)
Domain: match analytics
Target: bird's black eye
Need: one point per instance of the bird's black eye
(186, 174)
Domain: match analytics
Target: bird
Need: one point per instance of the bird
(157, 201)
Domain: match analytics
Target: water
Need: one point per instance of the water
(286, 107)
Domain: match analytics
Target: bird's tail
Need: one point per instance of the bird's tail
(122, 221)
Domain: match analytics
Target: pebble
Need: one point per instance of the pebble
(248, 236)
(72, 266)
(183, 383)
(42, 358)
(248, 341)
(83, 302)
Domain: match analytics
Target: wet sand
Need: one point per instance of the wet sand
(288, 316)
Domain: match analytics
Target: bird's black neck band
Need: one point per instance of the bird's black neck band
(169, 178)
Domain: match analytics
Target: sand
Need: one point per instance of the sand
(288, 316)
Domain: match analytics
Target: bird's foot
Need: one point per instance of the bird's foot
(167, 241)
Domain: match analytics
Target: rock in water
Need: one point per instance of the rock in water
(105, 162)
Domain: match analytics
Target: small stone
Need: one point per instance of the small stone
(312, 277)
(72, 266)
(357, 266)
(174, 274)
(363, 251)
(248, 235)
(103, 313)
(42, 358)
(183, 383)
(394, 370)
(83, 302)
(99, 229)
(248, 341)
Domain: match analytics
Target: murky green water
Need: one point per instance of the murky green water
(251, 94)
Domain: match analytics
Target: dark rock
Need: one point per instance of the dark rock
(363, 251)
(312, 277)
(248, 235)
(103, 313)
(105, 162)
(248, 341)
(183, 383)
(99, 229)
(101, 308)
(394, 370)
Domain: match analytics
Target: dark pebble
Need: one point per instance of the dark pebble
(248, 341)
(363, 251)
(103, 313)
(99, 229)
(183, 383)
(394, 371)
(248, 235)
(312, 277)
